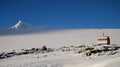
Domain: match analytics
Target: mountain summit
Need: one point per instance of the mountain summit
(21, 28)
(22, 25)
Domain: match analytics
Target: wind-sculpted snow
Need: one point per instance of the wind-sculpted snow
(56, 59)
(61, 57)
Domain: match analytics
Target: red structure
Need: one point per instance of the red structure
(104, 40)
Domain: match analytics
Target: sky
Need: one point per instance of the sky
(61, 13)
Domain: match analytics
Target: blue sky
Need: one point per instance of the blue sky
(61, 13)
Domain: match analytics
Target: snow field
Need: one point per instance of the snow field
(57, 39)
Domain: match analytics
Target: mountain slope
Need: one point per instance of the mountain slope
(20, 28)
(22, 25)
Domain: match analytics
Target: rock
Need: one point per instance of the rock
(44, 48)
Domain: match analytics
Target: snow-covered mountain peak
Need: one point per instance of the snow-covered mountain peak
(22, 25)
(19, 22)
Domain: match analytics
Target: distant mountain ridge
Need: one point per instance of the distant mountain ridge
(22, 25)
(20, 28)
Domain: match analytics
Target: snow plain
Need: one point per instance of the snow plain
(57, 39)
